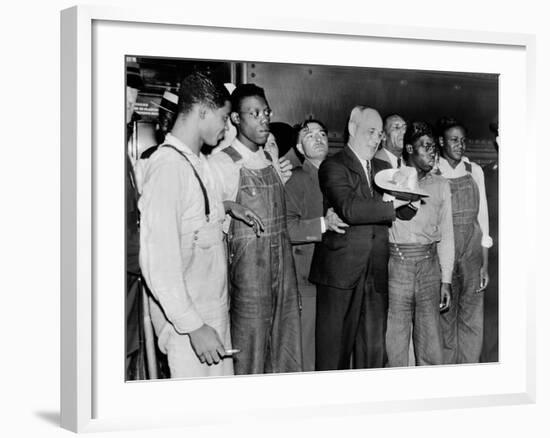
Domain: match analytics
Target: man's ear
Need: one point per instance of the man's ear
(235, 119)
(440, 141)
(409, 149)
(300, 148)
(352, 128)
(202, 111)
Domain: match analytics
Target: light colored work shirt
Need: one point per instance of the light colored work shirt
(432, 223)
(173, 216)
(477, 173)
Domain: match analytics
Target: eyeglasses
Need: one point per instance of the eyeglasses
(398, 127)
(255, 114)
(430, 147)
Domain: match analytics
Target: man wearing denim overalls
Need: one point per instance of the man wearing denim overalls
(462, 325)
(265, 314)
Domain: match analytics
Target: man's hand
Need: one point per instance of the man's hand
(334, 223)
(484, 278)
(445, 297)
(207, 345)
(286, 169)
(399, 203)
(244, 214)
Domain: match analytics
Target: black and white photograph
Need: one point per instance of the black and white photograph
(289, 218)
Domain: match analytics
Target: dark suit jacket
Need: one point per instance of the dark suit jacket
(304, 208)
(340, 260)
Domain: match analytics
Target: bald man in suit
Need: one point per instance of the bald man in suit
(350, 269)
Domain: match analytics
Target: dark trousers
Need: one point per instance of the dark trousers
(350, 321)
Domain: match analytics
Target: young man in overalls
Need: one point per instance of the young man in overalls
(182, 255)
(265, 314)
(462, 325)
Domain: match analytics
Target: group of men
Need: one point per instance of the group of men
(254, 267)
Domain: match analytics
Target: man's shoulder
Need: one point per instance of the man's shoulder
(379, 164)
(476, 167)
(381, 154)
(297, 179)
(338, 158)
(226, 155)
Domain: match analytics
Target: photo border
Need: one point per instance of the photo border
(78, 214)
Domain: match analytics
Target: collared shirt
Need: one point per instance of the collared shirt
(433, 222)
(396, 162)
(363, 165)
(228, 171)
(171, 206)
(477, 173)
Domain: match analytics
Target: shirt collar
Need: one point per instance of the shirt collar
(174, 141)
(392, 157)
(443, 161)
(244, 151)
(361, 160)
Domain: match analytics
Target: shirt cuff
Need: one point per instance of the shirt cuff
(323, 225)
(447, 276)
(486, 242)
(188, 322)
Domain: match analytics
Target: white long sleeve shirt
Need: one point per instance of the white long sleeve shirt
(172, 212)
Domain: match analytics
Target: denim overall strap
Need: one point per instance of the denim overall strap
(265, 319)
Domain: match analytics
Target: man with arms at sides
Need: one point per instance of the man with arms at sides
(350, 269)
(462, 326)
(307, 223)
(265, 318)
(421, 255)
(392, 150)
(182, 254)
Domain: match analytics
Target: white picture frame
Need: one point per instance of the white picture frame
(92, 399)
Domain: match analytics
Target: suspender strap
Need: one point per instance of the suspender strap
(204, 194)
(233, 154)
(468, 167)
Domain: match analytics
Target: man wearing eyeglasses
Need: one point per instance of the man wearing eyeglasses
(350, 269)
(265, 315)
(421, 257)
(392, 141)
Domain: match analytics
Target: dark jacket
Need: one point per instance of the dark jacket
(304, 208)
(340, 260)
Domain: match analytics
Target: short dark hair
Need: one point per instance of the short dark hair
(388, 117)
(198, 88)
(416, 130)
(446, 123)
(242, 92)
(321, 124)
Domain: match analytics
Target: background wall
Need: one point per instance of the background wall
(29, 221)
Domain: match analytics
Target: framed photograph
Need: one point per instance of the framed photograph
(487, 77)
